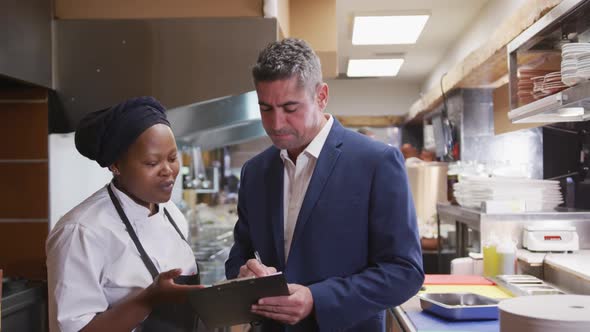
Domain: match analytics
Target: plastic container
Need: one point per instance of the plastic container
(477, 258)
(506, 252)
(462, 266)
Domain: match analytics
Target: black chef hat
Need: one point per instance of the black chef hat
(106, 134)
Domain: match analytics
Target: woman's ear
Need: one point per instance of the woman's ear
(114, 168)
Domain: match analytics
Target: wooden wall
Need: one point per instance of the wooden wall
(502, 123)
(24, 190)
(315, 21)
(114, 9)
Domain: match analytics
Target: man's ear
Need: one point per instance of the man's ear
(322, 96)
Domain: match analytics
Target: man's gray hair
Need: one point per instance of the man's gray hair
(288, 58)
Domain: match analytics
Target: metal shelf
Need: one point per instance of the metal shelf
(483, 222)
(548, 109)
(510, 225)
(568, 20)
(473, 217)
(544, 26)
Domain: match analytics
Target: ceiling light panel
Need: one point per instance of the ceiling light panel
(373, 67)
(387, 30)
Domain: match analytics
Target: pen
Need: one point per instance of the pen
(258, 257)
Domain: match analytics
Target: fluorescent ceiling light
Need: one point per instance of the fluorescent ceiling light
(570, 111)
(373, 67)
(384, 30)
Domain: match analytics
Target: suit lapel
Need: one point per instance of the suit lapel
(324, 166)
(275, 198)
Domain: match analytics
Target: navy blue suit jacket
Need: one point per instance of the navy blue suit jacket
(355, 244)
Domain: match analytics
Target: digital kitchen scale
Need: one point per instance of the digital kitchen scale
(543, 238)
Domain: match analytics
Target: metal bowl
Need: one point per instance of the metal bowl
(460, 306)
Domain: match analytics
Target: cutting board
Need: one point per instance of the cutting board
(453, 279)
(424, 322)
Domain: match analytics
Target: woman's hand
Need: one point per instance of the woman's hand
(129, 313)
(164, 289)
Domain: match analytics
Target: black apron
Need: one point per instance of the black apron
(166, 317)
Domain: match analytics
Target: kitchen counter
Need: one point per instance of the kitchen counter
(567, 271)
(211, 237)
(409, 317)
(570, 272)
(577, 263)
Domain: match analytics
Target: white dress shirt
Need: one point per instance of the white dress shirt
(92, 263)
(296, 180)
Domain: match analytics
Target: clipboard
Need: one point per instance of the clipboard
(229, 303)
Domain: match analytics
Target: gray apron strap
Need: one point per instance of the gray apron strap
(164, 317)
(144, 256)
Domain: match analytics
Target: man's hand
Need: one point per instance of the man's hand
(286, 309)
(254, 268)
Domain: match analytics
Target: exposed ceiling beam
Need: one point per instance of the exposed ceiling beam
(486, 64)
(369, 121)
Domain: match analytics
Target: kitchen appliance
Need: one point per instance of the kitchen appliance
(428, 181)
(24, 305)
(540, 238)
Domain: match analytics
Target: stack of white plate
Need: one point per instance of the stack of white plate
(575, 63)
(538, 195)
(583, 66)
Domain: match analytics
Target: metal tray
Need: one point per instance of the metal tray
(460, 306)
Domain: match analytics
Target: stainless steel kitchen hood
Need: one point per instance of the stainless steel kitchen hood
(219, 122)
(187, 64)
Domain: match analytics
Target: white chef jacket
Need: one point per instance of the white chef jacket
(92, 263)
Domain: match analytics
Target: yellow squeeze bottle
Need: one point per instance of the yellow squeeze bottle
(490, 258)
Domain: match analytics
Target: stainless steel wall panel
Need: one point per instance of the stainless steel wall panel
(25, 39)
(523, 147)
(179, 61)
(472, 110)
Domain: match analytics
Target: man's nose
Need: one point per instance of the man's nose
(278, 120)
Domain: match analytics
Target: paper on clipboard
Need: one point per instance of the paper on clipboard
(229, 303)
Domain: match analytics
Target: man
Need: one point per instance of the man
(409, 151)
(328, 207)
(367, 132)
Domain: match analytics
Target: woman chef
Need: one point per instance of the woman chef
(119, 260)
